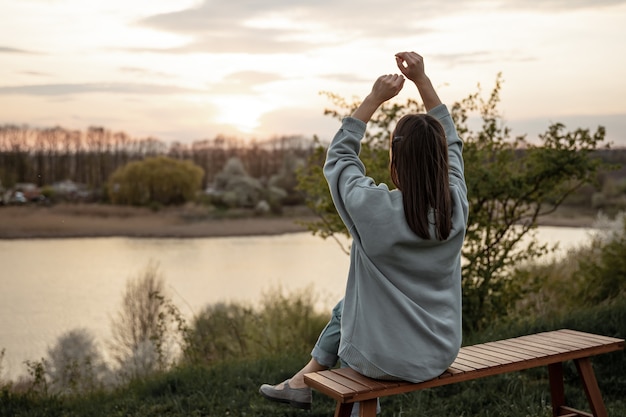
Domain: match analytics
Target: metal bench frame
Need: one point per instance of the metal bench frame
(549, 349)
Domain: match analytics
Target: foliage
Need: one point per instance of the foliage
(75, 364)
(511, 183)
(587, 276)
(285, 323)
(230, 387)
(235, 188)
(602, 269)
(155, 181)
(286, 179)
(145, 330)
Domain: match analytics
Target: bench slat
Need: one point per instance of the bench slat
(498, 358)
(535, 351)
(473, 362)
(511, 352)
(571, 340)
(558, 339)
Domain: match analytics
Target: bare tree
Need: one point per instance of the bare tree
(142, 337)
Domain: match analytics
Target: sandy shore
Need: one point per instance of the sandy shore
(101, 221)
(67, 220)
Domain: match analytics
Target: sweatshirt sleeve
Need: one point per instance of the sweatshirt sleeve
(455, 146)
(343, 168)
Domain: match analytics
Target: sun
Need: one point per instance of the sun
(240, 112)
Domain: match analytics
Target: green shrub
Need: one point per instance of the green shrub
(281, 323)
(155, 181)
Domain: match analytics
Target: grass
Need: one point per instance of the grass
(229, 388)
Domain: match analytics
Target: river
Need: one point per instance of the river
(51, 286)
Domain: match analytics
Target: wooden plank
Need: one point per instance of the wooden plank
(343, 409)
(557, 390)
(573, 412)
(461, 367)
(355, 380)
(537, 350)
(528, 341)
(477, 358)
(532, 351)
(498, 357)
(506, 350)
(357, 377)
(320, 382)
(451, 371)
(591, 336)
(571, 340)
(594, 397)
(467, 359)
(368, 408)
(564, 346)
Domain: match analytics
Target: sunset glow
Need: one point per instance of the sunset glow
(182, 71)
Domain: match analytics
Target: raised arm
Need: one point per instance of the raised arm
(412, 66)
(385, 88)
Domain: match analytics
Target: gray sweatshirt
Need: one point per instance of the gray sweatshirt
(402, 305)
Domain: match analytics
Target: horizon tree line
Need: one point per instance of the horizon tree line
(45, 156)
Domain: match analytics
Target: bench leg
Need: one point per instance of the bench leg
(590, 384)
(368, 408)
(343, 409)
(557, 392)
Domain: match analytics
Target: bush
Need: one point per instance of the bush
(281, 323)
(155, 181)
(601, 275)
(75, 364)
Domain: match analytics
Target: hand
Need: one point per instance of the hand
(411, 65)
(386, 87)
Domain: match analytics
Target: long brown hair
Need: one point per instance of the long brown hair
(419, 169)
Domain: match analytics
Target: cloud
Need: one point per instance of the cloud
(66, 89)
(244, 82)
(144, 72)
(36, 73)
(281, 26)
(558, 5)
(9, 50)
(284, 26)
(346, 78)
(480, 57)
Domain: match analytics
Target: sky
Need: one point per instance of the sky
(187, 70)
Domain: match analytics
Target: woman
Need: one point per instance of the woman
(401, 314)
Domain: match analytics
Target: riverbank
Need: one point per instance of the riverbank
(95, 220)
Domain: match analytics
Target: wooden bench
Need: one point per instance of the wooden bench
(549, 349)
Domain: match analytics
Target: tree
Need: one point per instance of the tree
(156, 180)
(511, 183)
(75, 364)
(146, 327)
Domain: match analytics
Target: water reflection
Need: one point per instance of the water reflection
(50, 286)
